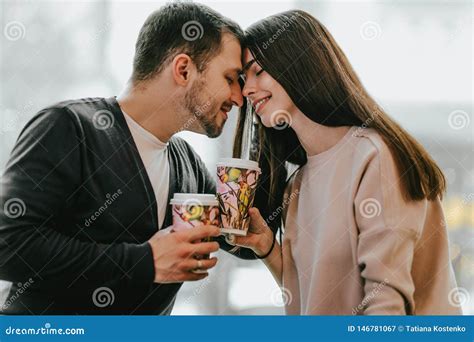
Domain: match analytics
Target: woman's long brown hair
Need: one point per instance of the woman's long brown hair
(300, 53)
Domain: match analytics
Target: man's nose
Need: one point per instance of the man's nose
(236, 97)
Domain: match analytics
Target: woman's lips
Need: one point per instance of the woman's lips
(259, 105)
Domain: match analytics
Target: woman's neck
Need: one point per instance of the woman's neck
(316, 138)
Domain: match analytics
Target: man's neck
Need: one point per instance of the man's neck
(151, 110)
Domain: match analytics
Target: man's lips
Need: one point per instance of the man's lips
(224, 110)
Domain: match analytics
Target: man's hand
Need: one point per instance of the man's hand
(174, 253)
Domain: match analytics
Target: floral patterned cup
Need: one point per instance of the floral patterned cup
(193, 210)
(236, 185)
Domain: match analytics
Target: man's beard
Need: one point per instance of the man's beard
(205, 112)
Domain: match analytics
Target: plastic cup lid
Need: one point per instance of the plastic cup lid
(194, 199)
(240, 163)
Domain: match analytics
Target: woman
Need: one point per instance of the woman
(364, 231)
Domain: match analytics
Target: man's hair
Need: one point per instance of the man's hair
(180, 27)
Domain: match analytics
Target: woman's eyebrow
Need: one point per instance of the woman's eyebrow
(248, 65)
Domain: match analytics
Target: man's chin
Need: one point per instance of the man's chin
(209, 131)
(214, 132)
(211, 128)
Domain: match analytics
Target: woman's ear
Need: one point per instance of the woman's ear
(183, 69)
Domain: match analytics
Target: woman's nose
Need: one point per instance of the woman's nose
(248, 89)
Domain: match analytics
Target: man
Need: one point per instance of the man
(88, 183)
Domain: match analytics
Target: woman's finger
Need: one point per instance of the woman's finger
(257, 222)
(245, 241)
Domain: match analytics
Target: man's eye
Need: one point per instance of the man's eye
(230, 80)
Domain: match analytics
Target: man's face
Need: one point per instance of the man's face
(217, 89)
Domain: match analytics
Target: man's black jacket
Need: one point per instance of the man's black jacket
(78, 209)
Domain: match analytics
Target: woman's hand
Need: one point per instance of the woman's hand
(259, 236)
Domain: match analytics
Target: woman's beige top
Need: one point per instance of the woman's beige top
(353, 245)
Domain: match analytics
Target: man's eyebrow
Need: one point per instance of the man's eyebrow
(247, 66)
(236, 70)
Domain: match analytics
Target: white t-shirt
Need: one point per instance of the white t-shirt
(154, 154)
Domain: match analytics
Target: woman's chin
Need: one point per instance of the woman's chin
(266, 120)
(267, 123)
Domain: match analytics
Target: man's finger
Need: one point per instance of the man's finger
(202, 264)
(190, 276)
(203, 248)
(199, 233)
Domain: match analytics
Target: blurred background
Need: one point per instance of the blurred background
(414, 57)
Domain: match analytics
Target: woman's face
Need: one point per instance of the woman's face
(269, 99)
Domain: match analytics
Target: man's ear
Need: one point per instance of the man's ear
(183, 69)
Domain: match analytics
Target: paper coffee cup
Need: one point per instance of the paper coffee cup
(193, 210)
(236, 186)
